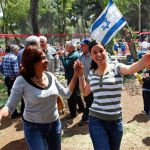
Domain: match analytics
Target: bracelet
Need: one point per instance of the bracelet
(82, 77)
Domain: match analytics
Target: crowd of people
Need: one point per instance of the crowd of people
(121, 47)
(94, 86)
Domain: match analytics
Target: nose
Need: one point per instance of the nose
(99, 53)
(47, 61)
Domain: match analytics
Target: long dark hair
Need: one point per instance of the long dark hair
(93, 64)
(31, 55)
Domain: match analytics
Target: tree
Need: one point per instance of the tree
(33, 12)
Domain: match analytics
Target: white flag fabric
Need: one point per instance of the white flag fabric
(107, 24)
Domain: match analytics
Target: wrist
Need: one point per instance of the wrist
(82, 77)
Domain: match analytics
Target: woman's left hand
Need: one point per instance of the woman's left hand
(146, 60)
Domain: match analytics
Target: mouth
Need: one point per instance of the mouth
(99, 58)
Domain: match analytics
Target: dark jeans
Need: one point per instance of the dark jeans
(88, 102)
(74, 100)
(9, 83)
(146, 101)
(105, 135)
(43, 136)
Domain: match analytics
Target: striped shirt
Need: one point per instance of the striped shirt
(107, 93)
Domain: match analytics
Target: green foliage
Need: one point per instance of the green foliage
(3, 92)
(66, 16)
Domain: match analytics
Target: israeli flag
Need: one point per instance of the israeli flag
(107, 24)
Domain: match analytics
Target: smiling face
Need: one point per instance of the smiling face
(98, 54)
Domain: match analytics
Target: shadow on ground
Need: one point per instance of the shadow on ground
(16, 145)
(71, 127)
(146, 141)
(140, 118)
(7, 122)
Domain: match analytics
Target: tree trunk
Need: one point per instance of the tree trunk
(33, 16)
(132, 45)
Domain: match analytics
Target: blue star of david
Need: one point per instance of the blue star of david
(105, 24)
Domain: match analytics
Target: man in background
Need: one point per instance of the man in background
(67, 62)
(50, 54)
(10, 70)
(85, 58)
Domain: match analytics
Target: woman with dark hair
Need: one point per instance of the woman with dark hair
(42, 126)
(105, 80)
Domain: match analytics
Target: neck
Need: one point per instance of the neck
(102, 69)
(39, 75)
(85, 53)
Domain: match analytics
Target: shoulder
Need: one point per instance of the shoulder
(51, 49)
(116, 67)
(20, 52)
(20, 80)
(50, 75)
(76, 53)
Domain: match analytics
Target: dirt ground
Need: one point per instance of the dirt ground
(74, 137)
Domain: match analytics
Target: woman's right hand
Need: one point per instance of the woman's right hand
(4, 112)
(78, 68)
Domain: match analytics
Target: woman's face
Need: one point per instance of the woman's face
(98, 54)
(43, 63)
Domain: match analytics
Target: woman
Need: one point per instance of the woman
(105, 81)
(42, 127)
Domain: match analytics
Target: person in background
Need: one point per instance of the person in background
(67, 62)
(105, 80)
(146, 91)
(78, 47)
(40, 88)
(51, 54)
(144, 47)
(31, 40)
(86, 59)
(116, 47)
(10, 70)
(7, 48)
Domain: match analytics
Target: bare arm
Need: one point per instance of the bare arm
(84, 86)
(73, 82)
(137, 66)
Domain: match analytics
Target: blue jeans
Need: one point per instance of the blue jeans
(43, 136)
(105, 135)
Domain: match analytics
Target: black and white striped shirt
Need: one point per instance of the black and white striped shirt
(107, 93)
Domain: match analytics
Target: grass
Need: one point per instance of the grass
(3, 92)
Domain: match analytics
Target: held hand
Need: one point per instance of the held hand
(78, 68)
(146, 60)
(60, 52)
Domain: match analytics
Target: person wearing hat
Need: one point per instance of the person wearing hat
(85, 58)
